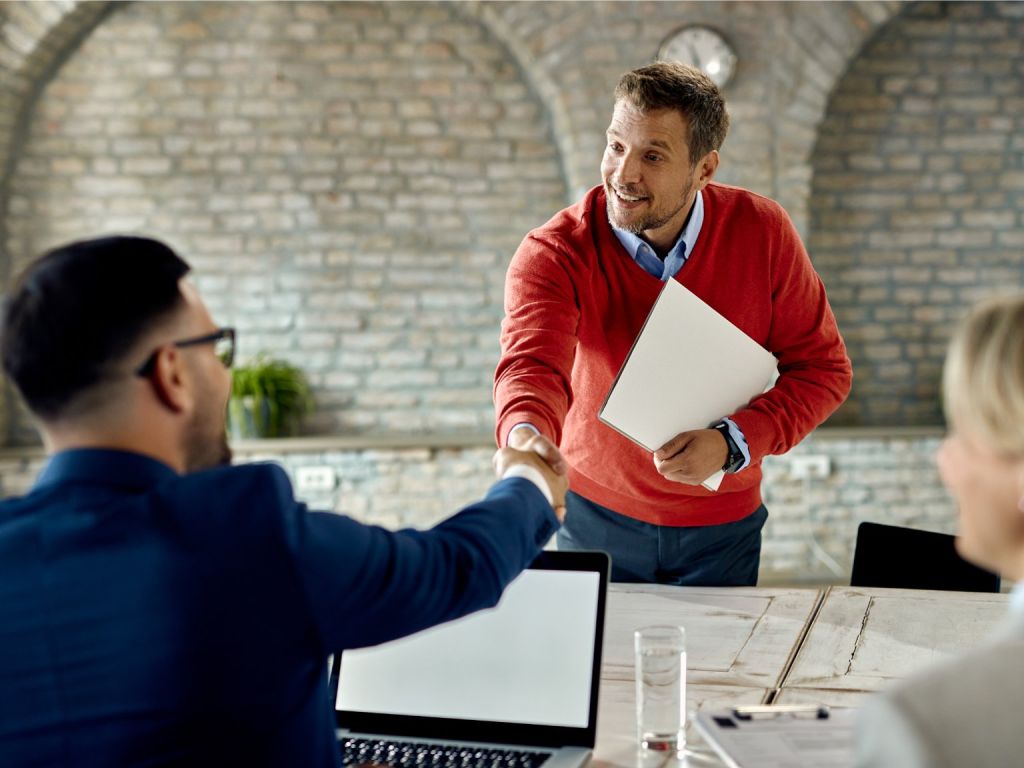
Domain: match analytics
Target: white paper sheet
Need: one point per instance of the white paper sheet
(783, 741)
(688, 368)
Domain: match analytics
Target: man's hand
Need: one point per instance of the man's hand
(558, 483)
(527, 440)
(692, 457)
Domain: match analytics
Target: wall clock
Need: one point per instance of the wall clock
(704, 48)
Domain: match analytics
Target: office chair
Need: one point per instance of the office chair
(907, 558)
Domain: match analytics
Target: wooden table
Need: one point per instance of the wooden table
(784, 646)
(739, 644)
(741, 636)
(862, 639)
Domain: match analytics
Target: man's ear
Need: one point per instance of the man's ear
(170, 379)
(708, 165)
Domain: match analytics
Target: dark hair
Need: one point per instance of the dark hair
(76, 311)
(672, 85)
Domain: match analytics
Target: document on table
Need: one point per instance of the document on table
(688, 368)
(786, 739)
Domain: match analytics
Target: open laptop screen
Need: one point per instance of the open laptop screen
(533, 660)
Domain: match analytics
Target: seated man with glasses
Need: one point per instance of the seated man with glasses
(159, 607)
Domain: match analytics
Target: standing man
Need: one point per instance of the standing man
(576, 295)
(158, 607)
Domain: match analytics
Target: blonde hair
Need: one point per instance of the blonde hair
(983, 378)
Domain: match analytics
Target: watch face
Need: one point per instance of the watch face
(703, 48)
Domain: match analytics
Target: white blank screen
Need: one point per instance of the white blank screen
(528, 660)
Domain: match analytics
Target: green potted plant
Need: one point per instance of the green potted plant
(268, 399)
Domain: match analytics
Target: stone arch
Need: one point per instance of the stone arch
(824, 39)
(347, 179)
(539, 78)
(570, 54)
(36, 38)
(918, 184)
(573, 52)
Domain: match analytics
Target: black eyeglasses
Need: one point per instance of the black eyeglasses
(223, 340)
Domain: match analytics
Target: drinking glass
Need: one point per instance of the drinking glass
(661, 687)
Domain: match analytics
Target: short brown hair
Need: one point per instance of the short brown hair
(672, 85)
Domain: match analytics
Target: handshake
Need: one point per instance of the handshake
(689, 458)
(536, 451)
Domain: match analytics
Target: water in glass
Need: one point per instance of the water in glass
(661, 690)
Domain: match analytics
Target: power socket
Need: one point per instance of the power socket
(805, 467)
(309, 479)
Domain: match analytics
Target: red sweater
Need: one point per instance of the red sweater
(574, 303)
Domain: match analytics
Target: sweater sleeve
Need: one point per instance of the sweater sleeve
(538, 340)
(814, 371)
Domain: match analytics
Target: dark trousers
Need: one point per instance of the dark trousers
(726, 555)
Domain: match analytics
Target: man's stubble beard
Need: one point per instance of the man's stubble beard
(206, 442)
(650, 221)
(216, 454)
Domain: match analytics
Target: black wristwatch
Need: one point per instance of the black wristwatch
(735, 458)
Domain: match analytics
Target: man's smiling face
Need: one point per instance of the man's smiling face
(648, 176)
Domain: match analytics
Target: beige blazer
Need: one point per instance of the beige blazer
(965, 713)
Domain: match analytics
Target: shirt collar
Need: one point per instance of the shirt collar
(103, 466)
(636, 246)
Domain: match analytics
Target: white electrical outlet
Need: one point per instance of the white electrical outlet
(309, 479)
(804, 467)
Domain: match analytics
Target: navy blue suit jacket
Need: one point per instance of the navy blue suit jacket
(148, 618)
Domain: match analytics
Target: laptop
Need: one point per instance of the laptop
(514, 685)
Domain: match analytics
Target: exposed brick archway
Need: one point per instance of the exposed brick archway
(917, 193)
(569, 54)
(792, 56)
(347, 180)
(804, 47)
(34, 38)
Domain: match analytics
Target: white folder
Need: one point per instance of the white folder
(688, 368)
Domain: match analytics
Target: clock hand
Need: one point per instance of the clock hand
(694, 56)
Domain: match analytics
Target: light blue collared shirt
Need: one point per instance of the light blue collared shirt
(643, 254)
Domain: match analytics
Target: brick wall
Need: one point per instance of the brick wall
(918, 199)
(350, 179)
(33, 36)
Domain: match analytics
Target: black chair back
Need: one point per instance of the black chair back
(908, 558)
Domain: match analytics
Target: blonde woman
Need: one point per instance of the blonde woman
(970, 710)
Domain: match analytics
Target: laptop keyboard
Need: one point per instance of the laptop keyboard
(400, 754)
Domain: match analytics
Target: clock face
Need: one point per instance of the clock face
(703, 48)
